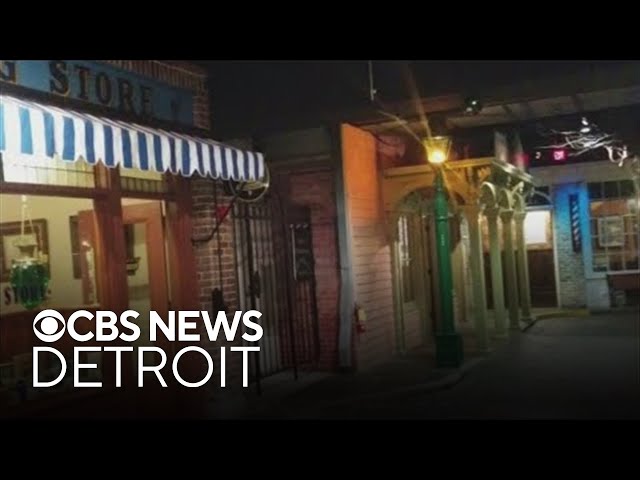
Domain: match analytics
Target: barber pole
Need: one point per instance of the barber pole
(574, 215)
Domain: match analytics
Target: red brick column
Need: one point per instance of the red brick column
(315, 189)
(208, 271)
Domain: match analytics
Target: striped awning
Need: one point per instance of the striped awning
(28, 128)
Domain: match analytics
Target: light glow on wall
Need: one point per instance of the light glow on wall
(537, 227)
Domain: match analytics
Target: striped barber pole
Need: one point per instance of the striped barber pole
(574, 215)
(32, 129)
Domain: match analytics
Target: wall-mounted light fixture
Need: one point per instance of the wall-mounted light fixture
(472, 106)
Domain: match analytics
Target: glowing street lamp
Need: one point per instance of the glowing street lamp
(449, 351)
(438, 149)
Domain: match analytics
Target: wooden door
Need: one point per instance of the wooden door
(150, 215)
(542, 278)
(145, 219)
(143, 225)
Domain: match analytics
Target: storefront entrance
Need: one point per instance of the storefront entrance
(147, 283)
(538, 233)
(94, 261)
(98, 209)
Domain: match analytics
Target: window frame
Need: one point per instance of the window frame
(406, 249)
(597, 193)
(110, 249)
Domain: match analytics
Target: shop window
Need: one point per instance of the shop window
(614, 226)
(46, 171)
(595, 190)
(406, 257)
(64, 243)
(61, 232)
(627, 189)
(611, 189)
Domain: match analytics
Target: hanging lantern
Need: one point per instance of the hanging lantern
(251, 191)
(29, 274)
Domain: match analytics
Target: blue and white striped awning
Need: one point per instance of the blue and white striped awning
(28, 128)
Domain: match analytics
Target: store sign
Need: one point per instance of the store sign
(102, 85)
(20, 296)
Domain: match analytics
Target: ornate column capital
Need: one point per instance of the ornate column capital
(471, 212)
(492, 213)
(519, 216)
(506, 215)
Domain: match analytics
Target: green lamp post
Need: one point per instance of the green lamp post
(449, 350)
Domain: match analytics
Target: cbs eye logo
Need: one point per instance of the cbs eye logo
(51, 328)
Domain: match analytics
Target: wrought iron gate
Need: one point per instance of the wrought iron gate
(275, 270)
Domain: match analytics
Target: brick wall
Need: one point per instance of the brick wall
(371, 254)
(315, 189)
(570, 264)
(206, 254)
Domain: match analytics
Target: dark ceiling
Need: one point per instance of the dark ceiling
(254, 97)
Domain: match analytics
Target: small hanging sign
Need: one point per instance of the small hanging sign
(302, 251)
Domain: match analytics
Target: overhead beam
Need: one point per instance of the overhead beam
(631, 111)
(509, 111)
(609, 78)
(577, 102)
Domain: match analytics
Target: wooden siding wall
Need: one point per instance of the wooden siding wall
(370, 250)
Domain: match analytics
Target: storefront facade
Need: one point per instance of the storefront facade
(91, 150)
(594, 207)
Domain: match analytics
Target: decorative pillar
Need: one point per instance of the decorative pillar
(472, 214)
(497, 282)
(449, 351)
(510, 269)
(523, 268)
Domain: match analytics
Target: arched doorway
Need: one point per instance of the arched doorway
(410, 234)
(414, 268)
